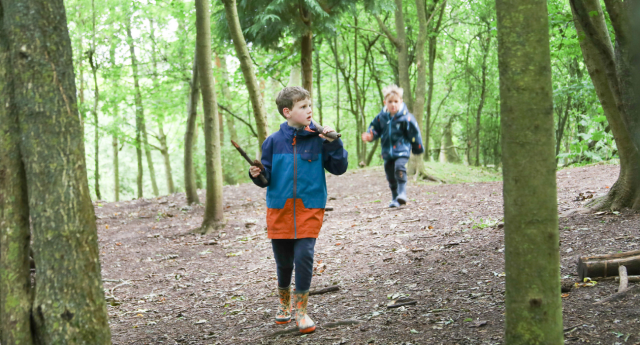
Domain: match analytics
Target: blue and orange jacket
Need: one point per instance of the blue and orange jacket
(294, 162)
(399, 135)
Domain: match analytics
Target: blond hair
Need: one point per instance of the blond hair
(289, 96)
(392, 89)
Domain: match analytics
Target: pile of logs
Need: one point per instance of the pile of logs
(625, 267)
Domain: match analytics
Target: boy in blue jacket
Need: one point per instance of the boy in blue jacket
(294, 159)
(400, 136)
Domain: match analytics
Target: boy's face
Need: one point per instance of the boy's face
(300, 114)
(393, 103)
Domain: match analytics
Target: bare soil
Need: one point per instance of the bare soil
(444, 250)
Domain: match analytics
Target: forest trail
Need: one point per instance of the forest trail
(444, 250)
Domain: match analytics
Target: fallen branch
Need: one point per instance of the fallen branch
(632, 279)
(624, 281)
(620, 295)
(398, 305)
(325, 290)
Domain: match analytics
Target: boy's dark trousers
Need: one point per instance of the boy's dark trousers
(296, 253)
(396, 171)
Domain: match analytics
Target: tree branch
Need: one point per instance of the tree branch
(386, 31)
(239, 119)
(618, 21)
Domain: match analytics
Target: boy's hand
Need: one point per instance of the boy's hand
(326, 130)
(254, 171)
(366, 136)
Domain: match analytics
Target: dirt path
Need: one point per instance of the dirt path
(444, 250)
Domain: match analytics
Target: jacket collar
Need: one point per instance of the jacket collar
(289, 131)
(399, 115)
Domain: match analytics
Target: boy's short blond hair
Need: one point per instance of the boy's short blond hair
(288, 96)
(392, 89)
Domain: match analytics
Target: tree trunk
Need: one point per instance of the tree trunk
(162, 138)
(335, 55)
(246, 65)
(68, 304)
(403, 56)
(318, 84)
(306, 51)
(139, 109)
(533, 306)
(147, 152)
(447, 149)
(213, 215)
(190, 137)
(116, 169)
(483, 92)
(15, 277)
(221, 63)
(164, 149)
(597, 51)
(96, 99)
(433, 44)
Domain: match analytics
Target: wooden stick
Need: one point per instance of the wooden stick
(320, 128)
(325, 290)
(624, 281)
(398, 305)
(631, 279)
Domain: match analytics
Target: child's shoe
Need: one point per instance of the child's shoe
(394, 201)
(402, 193)
(283, 315)
(303, 321)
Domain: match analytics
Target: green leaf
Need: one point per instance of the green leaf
(593, 13)
(468, 319)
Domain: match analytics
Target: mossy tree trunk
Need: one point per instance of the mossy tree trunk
(533, 306)
(139, 111)
(15, 280)
(213, 214)
(246, 65)
(610, 70)
(190, 137)
(50, 189)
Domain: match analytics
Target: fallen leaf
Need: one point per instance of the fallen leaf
(106, 226)
(118, 244)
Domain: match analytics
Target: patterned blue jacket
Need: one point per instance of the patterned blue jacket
(399, 135)
(294, 162)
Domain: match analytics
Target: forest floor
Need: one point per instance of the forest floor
(444, 250)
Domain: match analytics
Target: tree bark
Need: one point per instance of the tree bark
(306, 60)
(598, 52)
(162, 138)
(447, 149)
(116, 168)
(221, 63)
(335, 55)
(318, 84)
(15, 279)
(483, 91)
(96, 99)
(139, 109)
(213, 214)
(190, 135)
(68, 305)
(147, 152)
(433, 45)
(533, 307)
(246, 65)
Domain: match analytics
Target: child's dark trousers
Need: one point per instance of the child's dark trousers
(396, 171)
(298, 254)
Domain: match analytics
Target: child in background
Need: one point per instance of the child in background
(294, 159)
(400, 136)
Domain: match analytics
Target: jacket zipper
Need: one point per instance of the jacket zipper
(295, 182)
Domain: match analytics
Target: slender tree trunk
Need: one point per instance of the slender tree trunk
(359, 115)
(335, 55)
(533, 307)
(116, 169)
(147, 152)
(433, 45)
(221, 63)
(190, 137)
(68, 304)
(597, 52)
(318, 83)
(96, 99)
(246, 65)
(306, 53)
(15, 277)
(139, 110)
(403, 56)
(213, 214)
(483, 92)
